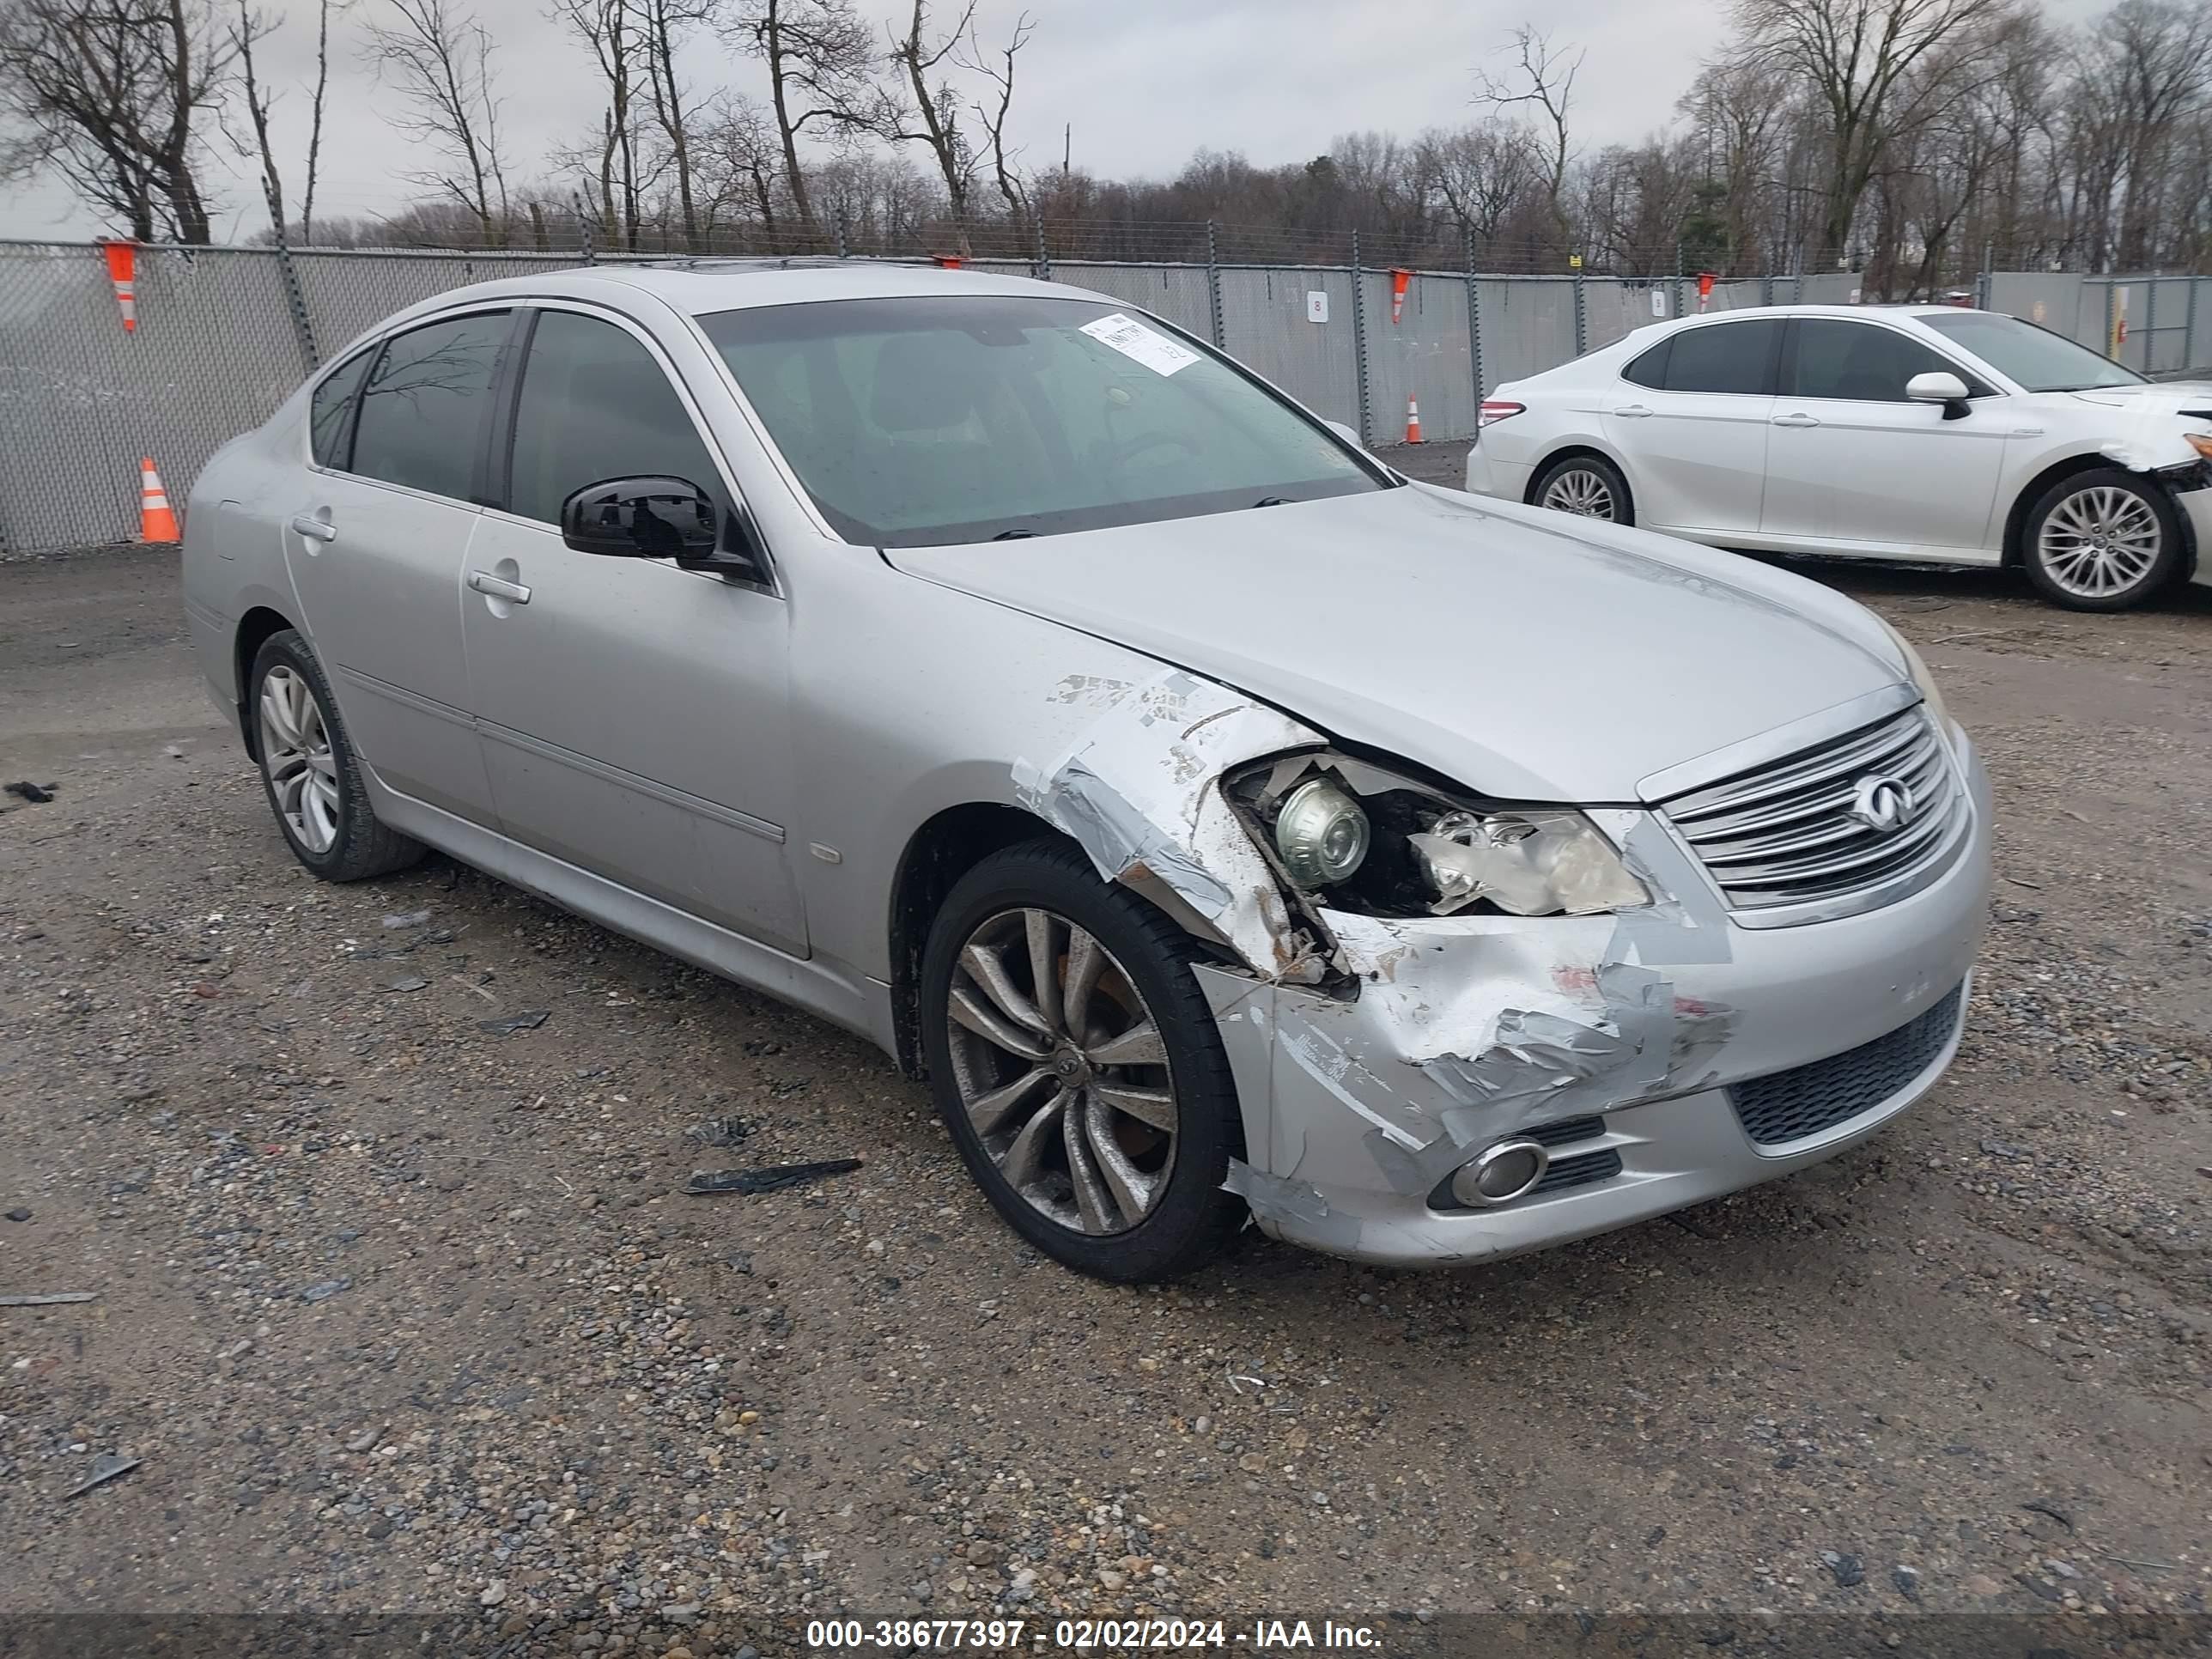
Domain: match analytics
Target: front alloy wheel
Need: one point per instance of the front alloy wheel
(1077, 1067)
(1061, 1071)
(2102, 540)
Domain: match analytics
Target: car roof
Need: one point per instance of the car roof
(1918, 308)
(698, 287)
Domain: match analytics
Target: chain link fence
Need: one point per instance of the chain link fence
(223, 335)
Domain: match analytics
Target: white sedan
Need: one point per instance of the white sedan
(1912, 432)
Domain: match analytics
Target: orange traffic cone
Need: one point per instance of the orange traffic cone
(157, 523)
(1413, 421)
(122, 271)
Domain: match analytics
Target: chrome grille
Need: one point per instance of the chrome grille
(1781, 839)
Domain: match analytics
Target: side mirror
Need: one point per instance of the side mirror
(641, 519)
(1938, 386)
(1344, 433)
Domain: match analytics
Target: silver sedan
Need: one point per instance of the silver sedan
(1227, 827)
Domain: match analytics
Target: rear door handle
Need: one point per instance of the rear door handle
(498, 586)
(314, 529)
(1631, 411)
(1795, 420)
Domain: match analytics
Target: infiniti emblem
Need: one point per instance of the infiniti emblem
(1881, 802)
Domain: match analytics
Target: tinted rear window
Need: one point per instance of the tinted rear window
(1724, 357)
(423, 413)
(1651, 368)
(330, 411)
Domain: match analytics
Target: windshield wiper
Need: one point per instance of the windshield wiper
(1014, 536)
(1272, 501)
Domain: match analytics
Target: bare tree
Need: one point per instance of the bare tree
(819, 56)
(439, 61)
(741, 165)
(914, 112)
(992, 115)
(317, 103)
(1856, 60)
(662, 26)
(604, 27)
(1739, 113)
(108, 94)
(1479, 173)
(2147, 68)
(243, 34)
(1548, 94)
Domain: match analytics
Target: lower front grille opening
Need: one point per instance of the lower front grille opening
(1809, 1099)
(1581, 1169)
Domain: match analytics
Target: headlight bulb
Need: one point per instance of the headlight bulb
(1321, 833)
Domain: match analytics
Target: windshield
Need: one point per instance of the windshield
(914, 422)
(2035, 357)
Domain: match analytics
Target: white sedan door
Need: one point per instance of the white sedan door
(1691, 419)
(1856, 466)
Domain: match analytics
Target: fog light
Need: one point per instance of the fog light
(1502, 1173)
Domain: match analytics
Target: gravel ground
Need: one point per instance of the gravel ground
(397, 1311)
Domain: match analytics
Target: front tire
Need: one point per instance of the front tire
(308, 768)
(1077, 1065)
(1587, 487)
(2101, 540)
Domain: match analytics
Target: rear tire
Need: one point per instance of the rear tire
(1099, 1117)
(309, 769)
(1585, 487)
(2101, 540)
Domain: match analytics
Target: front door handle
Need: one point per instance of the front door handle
(314, 529)
(499, 587)
(1631, 411)
(1795, 420)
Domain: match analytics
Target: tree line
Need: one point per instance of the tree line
(1918, 140)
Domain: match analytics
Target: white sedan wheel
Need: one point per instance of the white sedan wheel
(2099, 542)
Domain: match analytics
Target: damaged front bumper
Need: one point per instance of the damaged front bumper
(2196, 505)
(1467, 1030)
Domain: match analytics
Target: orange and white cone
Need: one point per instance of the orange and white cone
(157, 522)
(1413, 421)
(123, 270)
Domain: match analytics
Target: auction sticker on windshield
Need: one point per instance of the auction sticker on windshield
(1146, 345)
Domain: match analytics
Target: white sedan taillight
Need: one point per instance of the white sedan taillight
(1492, 413)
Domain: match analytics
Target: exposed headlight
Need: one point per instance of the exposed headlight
(1921, 678)
(1385, 844)
(1531, 863)
(1321, 833)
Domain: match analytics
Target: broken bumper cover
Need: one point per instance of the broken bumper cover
(1468, 1030)
(2196, 506)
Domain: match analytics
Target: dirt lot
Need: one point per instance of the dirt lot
(401, 1314)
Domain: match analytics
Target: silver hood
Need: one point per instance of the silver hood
(1522, 653)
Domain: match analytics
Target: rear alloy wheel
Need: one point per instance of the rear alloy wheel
(1587, 486)
(308, 764)
(1076, 1063)
(2101, 541)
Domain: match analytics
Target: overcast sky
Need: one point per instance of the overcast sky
(1144, 82)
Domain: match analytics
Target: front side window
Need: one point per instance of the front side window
(331, 409)
(596, 405)
(2035, 358)
(1858, 362)
(935, 420)
(423, 411)
(1724, 357)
